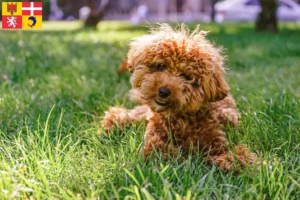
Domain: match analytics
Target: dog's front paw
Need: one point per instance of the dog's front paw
(234, 161)
(114, 117)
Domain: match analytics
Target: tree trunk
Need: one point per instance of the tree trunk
(213, 11)
(267, 18)
(96, 14)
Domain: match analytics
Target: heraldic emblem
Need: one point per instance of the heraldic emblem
(22, 15)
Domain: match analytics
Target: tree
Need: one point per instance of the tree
(71, 7)
(213, 11)
(267, 18)
(98, 10)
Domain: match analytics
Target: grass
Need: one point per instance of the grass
(56, 83)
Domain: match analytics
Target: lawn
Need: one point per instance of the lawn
(55, 85)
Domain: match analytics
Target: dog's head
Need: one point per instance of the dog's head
(176, 71)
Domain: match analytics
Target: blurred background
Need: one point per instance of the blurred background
(141, 11)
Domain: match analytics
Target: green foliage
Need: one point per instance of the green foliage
(61, 80)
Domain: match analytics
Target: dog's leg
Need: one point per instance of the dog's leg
(240, 157)
(136, 96)
(229, 116)
(226, 112)
(218, 153)
(117, 116)
(158, 139)
(156, 143)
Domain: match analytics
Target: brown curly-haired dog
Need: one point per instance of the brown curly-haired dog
(179, 78)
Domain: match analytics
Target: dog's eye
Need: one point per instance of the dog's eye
(186, 77)
(158, 67)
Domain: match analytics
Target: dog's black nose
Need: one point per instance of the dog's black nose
(164, 92)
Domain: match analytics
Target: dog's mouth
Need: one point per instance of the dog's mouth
(160, 103)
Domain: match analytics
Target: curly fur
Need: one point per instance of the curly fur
(199, 105)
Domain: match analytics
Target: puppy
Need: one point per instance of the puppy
(178, 78)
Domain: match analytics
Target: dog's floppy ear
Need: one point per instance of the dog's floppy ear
(215, 86)
(130, 68)
(123, 67)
